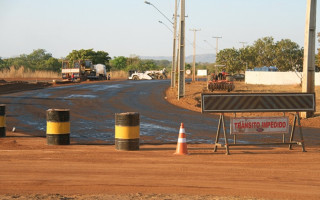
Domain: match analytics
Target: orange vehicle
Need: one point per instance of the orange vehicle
(221, 81)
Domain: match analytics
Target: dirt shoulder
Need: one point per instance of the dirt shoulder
(193, 92)
(30, 169)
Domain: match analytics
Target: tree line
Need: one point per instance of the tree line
(285, 54)
(43, 61)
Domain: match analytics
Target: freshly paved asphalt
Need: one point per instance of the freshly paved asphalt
(93, 107)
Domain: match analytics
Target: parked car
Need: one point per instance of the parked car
(238, 77)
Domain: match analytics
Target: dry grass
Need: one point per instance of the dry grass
(25, 73)
(119, 74)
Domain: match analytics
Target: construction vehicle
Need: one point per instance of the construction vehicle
(148, 75)
(222, 81)
(82, 70)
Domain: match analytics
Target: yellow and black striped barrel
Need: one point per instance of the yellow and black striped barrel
(127, 131)
(58, 126)
(2, 120)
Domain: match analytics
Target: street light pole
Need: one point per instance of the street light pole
(166, 26)
(181, 78)
(194, 54)
(147, 2)
(174, 38)
(217, 45)
(217, 50)
(173, 68)
(309, 52)
(210, 46)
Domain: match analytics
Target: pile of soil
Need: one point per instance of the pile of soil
(7, 87)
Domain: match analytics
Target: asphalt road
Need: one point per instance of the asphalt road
(93, 106)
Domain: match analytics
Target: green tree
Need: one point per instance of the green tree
(248, 58)
(264, 49)
(99, 57)
(3, 64)
(231, 59)
(53, 64)
(289, 56)
(119, 63)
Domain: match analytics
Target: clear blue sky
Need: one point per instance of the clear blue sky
(131, 27)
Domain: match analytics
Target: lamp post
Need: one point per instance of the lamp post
(210, 46)
(174, 23)
(217, 45)
(194, 54)
(166, 26)
(308, 79)
(182, 41)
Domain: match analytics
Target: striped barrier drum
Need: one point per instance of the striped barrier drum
(127, 131)
(2, 120)
(58, 127)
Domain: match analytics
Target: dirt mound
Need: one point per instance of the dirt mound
(18, 86)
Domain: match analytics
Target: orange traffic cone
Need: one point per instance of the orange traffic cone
(182, 142)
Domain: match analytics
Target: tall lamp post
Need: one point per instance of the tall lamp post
(174, 23)
(181, 65)
(194, 54)
(308, 79)
(217, 44)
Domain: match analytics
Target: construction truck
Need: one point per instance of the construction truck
(82, 70)
(148, 75)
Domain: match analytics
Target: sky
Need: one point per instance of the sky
(131, 27)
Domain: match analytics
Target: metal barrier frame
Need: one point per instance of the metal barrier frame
(294, 123)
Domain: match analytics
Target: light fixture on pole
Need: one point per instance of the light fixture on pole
(174, 38)
(147, 2)
(166, 26)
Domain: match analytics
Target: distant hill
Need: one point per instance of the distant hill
(200, 58)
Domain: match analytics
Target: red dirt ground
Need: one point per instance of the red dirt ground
(31, 169)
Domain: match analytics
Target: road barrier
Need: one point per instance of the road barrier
(257, 102)
(58, 127)
(127, 131)
(182, 148)
(2, 120)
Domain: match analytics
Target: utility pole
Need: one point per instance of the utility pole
(194, 54)
(173, 69)
(181, 79)
(309, 52)
(243, 43)
(217, 45)
(217, 50)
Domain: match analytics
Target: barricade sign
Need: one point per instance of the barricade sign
(259, 125)
(258, 102)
